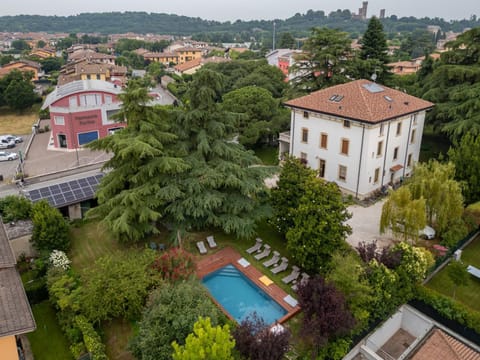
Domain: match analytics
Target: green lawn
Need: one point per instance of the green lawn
(90, 240)
(470, 294)
(268, 155)
(48, 341)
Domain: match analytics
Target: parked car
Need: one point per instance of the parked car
(8, 156)
(6, 144)
(17, 139)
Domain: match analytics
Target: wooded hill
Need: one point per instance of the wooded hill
(142, 22)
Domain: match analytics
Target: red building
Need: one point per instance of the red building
(81, 111)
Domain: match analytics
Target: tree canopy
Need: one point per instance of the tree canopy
(133, 194)
(222, 187)
(319, 226)
(171, 313)
(50, 230)
(16, 90)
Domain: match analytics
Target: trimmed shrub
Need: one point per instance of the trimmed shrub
(92, 340)
(13, 208)
(36, 290)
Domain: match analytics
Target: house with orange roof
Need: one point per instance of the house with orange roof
(361, 135)
(43, 53)
(411, 334)
(21, 65)
(166, 58)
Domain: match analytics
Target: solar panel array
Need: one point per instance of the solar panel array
(67, 193)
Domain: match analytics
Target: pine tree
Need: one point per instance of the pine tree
(131, 196)
(223, 185)
(374, 43)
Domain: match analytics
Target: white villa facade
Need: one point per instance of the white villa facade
(361, 135)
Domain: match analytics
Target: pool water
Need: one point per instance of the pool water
(240, 297)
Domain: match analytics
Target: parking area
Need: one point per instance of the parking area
(365, 223)
(8, 168)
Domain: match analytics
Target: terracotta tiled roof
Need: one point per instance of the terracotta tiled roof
(361, 100)
(440, 345)
(188, 65)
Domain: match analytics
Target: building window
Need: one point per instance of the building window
(377, 175)
(321, 168)
(305, 114)
(414, 119)
(412, 136)
(303, 158)
(380, 148)
(381, 130)
(346, 123)
(304, 135)
(342, 172)
(345, 145)
(108, 99)
(59, 120)
(323, 141)
(98, 76)
(88, 77)
(395, 153)
(399, 128)
(409, 160)
(72, 101)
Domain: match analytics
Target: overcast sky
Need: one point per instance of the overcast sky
(245, 9)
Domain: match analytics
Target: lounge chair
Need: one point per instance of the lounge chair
(255, 247)
(264, 253)
(282, 267)
(473, 271)
(293, 275)
(211, 242)
(201, 247)
(273, 260)
(304, 278)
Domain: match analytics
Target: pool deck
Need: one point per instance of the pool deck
(209, 263)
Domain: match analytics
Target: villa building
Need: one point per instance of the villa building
(81, 111)
(361, 135)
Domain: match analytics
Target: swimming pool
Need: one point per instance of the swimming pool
(240, 297)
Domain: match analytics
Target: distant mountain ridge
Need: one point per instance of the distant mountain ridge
(160, 23)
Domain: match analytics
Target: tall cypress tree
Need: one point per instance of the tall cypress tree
(374, 42)
(132, 195)
(223, 187)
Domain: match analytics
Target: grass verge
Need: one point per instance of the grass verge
(48, 341)
(468, 295)
(17, 124)
(268, 155)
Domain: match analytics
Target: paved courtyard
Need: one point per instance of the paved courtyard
(365, 223)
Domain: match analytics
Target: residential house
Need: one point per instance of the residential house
(92, 56)
(16, 317)
(44, 53)
(166, 58)
(186, 54)
(21, 65)
(412, 335)
(361, 135)
(81, 111)
(192, 66)
(86, 70)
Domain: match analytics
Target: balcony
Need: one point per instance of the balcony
(284, 137)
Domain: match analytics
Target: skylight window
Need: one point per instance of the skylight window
(388, 98)
(336, 98)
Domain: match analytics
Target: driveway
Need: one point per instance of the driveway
(365, 224)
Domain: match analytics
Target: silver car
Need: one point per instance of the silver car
(16, 139)
(8, 156)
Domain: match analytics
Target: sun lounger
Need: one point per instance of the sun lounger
(201, 247)
(273, 260)
(264, 253)
(304, 278)
(473, 271)
(282, 267)
(293, 275)
(211, 242)
(255, 247)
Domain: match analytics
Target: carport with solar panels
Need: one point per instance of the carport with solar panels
(72, 197)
